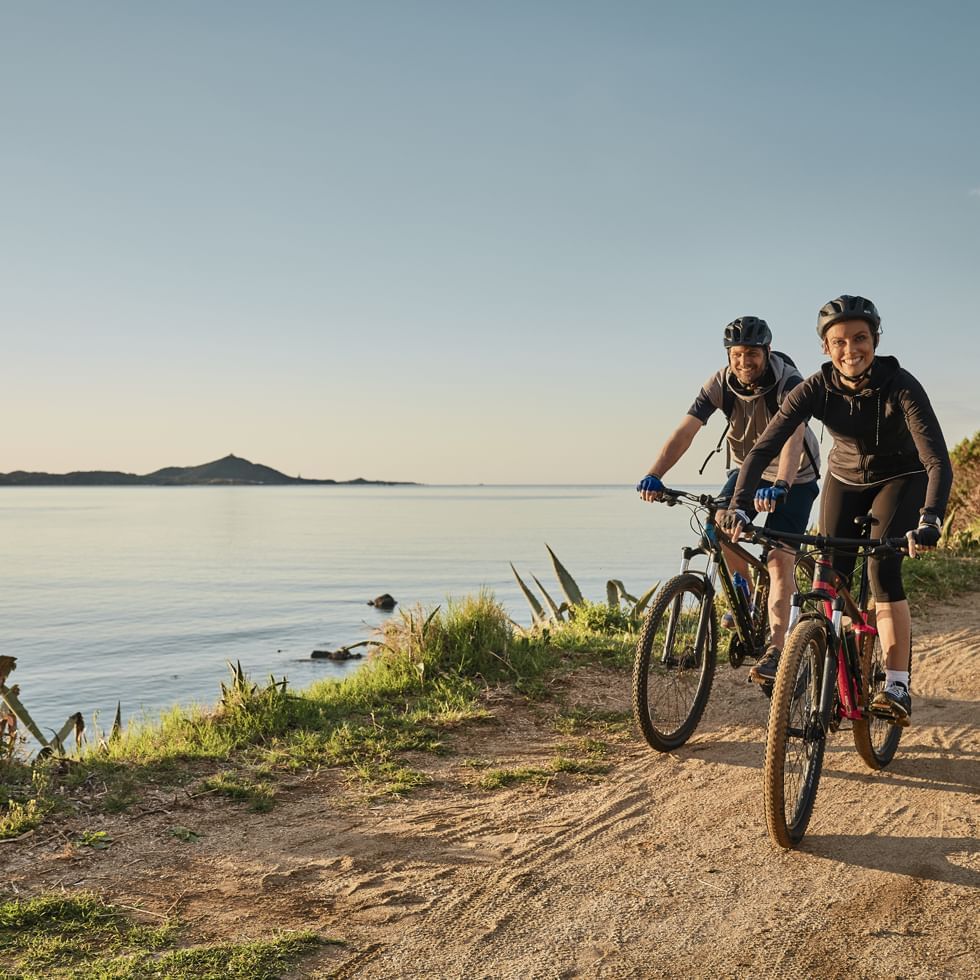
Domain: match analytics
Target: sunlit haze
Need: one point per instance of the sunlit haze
(462, 243)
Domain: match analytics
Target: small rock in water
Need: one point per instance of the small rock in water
(383, 602)
(342, 654)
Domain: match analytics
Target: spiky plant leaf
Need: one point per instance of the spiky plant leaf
(537, 611)
(644, 600)
(568, 584)
(623, 594)
(432, 616)
(556, 611)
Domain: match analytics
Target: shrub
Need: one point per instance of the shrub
(963, 512)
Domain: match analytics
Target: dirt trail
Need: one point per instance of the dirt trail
(660, 868)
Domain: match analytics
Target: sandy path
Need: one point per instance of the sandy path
(662, 867)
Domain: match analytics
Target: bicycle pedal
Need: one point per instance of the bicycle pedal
(892, 717)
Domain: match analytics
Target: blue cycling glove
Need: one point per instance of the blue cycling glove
(650, 484)
(774, 494)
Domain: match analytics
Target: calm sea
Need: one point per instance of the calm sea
(141, 595)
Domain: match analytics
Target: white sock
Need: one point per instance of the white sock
(897, 676)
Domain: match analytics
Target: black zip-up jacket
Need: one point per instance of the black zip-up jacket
(886, 430)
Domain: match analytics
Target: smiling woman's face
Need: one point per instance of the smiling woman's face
(851, 346)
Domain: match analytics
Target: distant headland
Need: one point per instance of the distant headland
(230, 471)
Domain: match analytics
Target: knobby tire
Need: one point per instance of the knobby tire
(672, 675)
(795, 743)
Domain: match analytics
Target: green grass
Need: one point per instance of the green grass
(259, 795)
(584, 719)
(21, 817)
(98, 840)
(598, 629)
(584, 757)
(939, 576)
(502, 778)
(57, 937)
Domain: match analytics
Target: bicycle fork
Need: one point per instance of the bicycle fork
(710, 575)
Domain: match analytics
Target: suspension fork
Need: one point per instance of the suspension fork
(795, 609)
(675, 607)
(710, 575)
(828, 683)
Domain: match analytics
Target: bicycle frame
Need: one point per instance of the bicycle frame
(717, 566)
(840, 694)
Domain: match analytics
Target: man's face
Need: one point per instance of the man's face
(747, 363)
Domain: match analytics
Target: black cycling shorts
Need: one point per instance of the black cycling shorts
(896, 504)
(792, 514)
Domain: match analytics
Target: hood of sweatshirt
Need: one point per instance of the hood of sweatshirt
(883, 370)
(771, 377)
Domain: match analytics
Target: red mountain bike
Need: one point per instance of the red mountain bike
(829, 672)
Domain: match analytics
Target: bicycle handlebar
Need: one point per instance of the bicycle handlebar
(675, 496)
(760, 534)
(824, 541)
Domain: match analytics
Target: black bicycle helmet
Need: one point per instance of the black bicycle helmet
(748, 331)
(848, 308)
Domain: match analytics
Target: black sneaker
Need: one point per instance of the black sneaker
(764, 672)
(893, 703)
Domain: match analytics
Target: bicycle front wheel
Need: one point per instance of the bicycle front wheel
(675, 662)
(795, 742)
(875, 738)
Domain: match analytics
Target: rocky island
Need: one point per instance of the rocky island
(230, 470)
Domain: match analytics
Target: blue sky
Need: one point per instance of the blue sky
(461, 242)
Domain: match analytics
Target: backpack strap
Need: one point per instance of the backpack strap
(717, 448)
(727, 407)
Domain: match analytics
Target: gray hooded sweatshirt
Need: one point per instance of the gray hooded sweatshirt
(749, 413)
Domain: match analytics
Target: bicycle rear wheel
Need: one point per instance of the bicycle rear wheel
(675, 662)
(795, 741)
(875, 738)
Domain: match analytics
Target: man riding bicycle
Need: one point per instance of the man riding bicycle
(749, 391)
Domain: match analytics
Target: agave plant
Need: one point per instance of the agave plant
(617, 596)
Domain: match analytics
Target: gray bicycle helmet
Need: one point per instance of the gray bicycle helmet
(748, 331)
(848, 308)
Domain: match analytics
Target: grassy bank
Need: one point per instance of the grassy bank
(426, 681)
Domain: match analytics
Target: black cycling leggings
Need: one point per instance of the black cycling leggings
(896, 504)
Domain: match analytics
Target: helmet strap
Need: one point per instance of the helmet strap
(856, 378)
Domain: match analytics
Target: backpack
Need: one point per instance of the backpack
(772, 405)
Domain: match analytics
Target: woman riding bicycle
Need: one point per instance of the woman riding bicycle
(888, 459)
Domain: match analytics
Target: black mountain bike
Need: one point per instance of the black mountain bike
(676, 655)
(829, 672)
